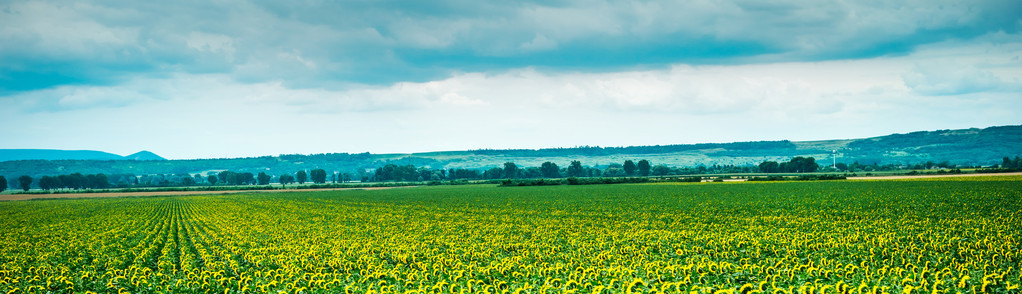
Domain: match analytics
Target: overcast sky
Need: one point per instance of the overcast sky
(208, 79)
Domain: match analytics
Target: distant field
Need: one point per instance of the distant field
(941, 235)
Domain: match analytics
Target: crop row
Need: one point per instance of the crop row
(850, 237)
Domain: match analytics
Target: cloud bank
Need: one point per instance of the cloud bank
(396, 76)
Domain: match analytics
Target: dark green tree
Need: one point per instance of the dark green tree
(318, 176)
(263, 178)
(644, 167)
(800, 164)
(212, 179)
(493, 173)
(223, 176)
(510, 170)
(103, 182)
(286, 179)
(769, 167)
(1009, 163)
(575, 169)
(245, 179)
(47, 182)
(26, 182)
(550, 170)
(661, 170)
(629, 167)
(3, 183)
(301, 176)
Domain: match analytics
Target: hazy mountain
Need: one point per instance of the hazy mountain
(965, 147)
(144, 155)
(52, 154)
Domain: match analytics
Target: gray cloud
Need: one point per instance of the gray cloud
(942, 78)
(311, 44)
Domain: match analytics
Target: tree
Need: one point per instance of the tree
(800, 164)
(550, 170)
(1009, 163)
(3, 183)
(245, 179)
(629, 167)
(46, 183)
(510, 170)
(493, 173)
(575, 169)
(25, 181)
(103, 182)
(318, 176)
(223, 176)
(286, 179)
(769, 167)
(644, 167)
(263, 178)
(212, 179)
(301, 176)
(661, 170)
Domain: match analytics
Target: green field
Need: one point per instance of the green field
(933, 236)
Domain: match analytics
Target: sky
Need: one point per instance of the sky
(235, 78)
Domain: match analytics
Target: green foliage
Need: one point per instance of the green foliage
(644, 167)
(510, 170)
(821, 177)
(769, 167)
(25, 182)
(318, 176)
(575, 169)
(286, 179)
(629, 167)
(550, 170)
(573, 181)
(3, 183)
(212, 179)
(953, 235)
(301, 176)
(661, 170)
(263, 178)
(797, 164)
(74, 181)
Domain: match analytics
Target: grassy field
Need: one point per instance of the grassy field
(943, 235)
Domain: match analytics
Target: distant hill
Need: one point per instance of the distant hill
(144, 155)
(964, 147)
(52, 154)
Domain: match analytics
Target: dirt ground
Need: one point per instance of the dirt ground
(932, 176)
(11, 197)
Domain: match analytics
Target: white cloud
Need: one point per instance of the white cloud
(214, 43)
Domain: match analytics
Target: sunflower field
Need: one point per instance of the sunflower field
(906, 236)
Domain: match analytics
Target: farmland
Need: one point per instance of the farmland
(941, 235)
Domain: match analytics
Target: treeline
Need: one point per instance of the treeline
(510, 170)
(797, 164)
(1011, 163)
(74, 181)
(391, 172)
(656, 149)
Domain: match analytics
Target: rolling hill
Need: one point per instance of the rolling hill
(964, 147)
(53, 154)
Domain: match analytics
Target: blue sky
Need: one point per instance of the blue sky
(247, 78)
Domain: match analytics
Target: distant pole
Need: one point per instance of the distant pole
(835, 159)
